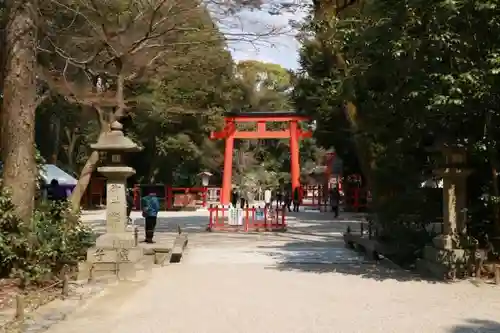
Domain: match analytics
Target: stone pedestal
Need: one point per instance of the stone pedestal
(115, 253)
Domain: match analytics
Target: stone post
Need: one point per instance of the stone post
(445, 257)
(454, 196)
(115, 252)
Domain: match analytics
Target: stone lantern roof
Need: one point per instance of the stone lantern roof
(115, 140)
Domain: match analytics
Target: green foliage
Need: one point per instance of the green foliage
(414, 68)
(34, 253)
(261, 86)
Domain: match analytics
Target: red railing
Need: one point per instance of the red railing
(246, 219)
(171, 197)
(313, 196)
(356, 199)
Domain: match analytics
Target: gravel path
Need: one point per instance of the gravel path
(301, 281)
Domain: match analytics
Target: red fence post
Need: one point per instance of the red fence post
(211, 218)
(217, 215)
(283, 220)
(137, 197)
(265, 217)
(170, 197)
(246, 219)
(165, 199)
(356, 199)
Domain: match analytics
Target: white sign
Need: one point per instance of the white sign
(235, 216)
(259, 215)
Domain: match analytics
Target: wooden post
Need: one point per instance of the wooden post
(65, 286)
(19, 307)
(478, 269)
(136, 235)
(497, 274)
(91, 273)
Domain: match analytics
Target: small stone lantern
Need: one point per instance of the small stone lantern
(205, 178)
(117, 246)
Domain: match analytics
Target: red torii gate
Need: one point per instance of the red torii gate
(230, 132)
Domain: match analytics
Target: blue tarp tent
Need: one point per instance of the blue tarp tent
(66, 181)
(52, 171)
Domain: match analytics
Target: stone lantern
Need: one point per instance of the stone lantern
(116, 250)
(446, 255)
(205, 178)
(452, 169)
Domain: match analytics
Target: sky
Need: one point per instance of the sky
(279, 48)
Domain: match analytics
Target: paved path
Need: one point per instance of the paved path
(299, 281)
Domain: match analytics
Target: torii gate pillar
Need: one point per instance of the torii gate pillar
(230, 132)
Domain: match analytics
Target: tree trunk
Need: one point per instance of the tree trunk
(19, 105)
(72, 138)
(56, 131)
(91, 164)
(84, 180)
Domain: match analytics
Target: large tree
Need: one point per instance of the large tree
(414, 68)
(20, 100)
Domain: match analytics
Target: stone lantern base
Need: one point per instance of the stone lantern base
(441, 260)
(115, 255)
(102, 262)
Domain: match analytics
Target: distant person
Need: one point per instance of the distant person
(150, 209)
(267, 198)
(335, 200)
(287, 200)
(279, 197)
(296, 199)
(55, 192)
(56, 195)
(234, 198)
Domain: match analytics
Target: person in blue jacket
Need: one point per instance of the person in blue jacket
(150, 209)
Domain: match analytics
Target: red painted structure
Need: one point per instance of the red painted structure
(230, 132)
(355, 199)
(193, 196)
(272, 221)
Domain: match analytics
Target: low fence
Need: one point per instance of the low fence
(246, 219)
(354, 199)
(172, 198)
(28, 302)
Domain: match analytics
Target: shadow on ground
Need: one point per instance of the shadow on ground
(190, 224)
(477, 326)
(329, 255)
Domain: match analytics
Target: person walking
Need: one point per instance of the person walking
(335, 200)
(150, 209)
(243, 202)
(279, 197)
(287, 200)
(296, 199)
(234, 197)
(267, 198)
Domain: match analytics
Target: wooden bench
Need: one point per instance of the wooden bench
(364, 243)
